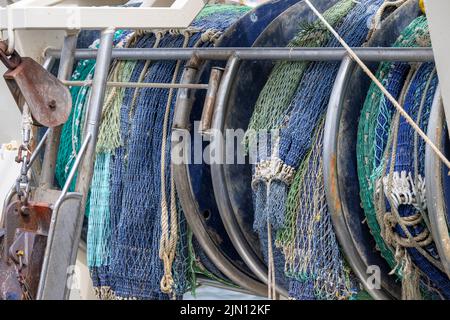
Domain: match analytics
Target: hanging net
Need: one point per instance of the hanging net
(99, 226)
(143, 191)
(288, 184)
(276, 96)
(133, 204)
(313, 260)
(366, 135)
(71, 135)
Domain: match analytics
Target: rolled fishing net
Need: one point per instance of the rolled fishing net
(277, 93)
(275, 174)
(366, 147)
(139, 197)
(391, 169)
(403, 183)
(125, 246)
(270, 110)
(403, 217)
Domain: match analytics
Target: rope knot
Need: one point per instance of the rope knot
(273, 170)
(167, 283)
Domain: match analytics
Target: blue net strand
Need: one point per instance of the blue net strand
(302, 290)
(310, 102)
(317, 264)
(314, 91)
(396, 80)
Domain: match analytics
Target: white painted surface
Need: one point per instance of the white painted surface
(9, 113)
(35, 14)
(9, 170)
(82, 290)
(438, 14)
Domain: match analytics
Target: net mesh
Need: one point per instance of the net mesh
(391, 170)
(273, 193)
(366, 146)
(270, 110)
(313, 259)
(136, 268)
(99, 226)
(403, 183)
(124, 202)
(277, 94)
(71, 135)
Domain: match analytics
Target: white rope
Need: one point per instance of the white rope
(380, 86)
(271, 281)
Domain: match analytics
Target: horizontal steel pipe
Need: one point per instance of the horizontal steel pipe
(139, 85)
(290, 54)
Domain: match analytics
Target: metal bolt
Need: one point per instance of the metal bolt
(52, 104)
(25, 210)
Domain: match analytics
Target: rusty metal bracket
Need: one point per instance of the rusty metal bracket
(23, 242)
(210, 99)
(48, 100)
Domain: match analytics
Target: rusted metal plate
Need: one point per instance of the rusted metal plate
(48, 100)
(19, 277)
(37, 218)
(24, 242)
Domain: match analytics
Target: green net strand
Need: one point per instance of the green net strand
(278, 92)
(211, 9)
(98, 228)
(71, 134)
(416, 34)
(313, 258)
(109, 132)
(286, 236)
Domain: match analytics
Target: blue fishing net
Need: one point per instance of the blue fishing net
(297, 133)
(136, 269)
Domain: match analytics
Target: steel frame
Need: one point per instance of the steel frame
(374, 54)
(85, 158)
(434, 175)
